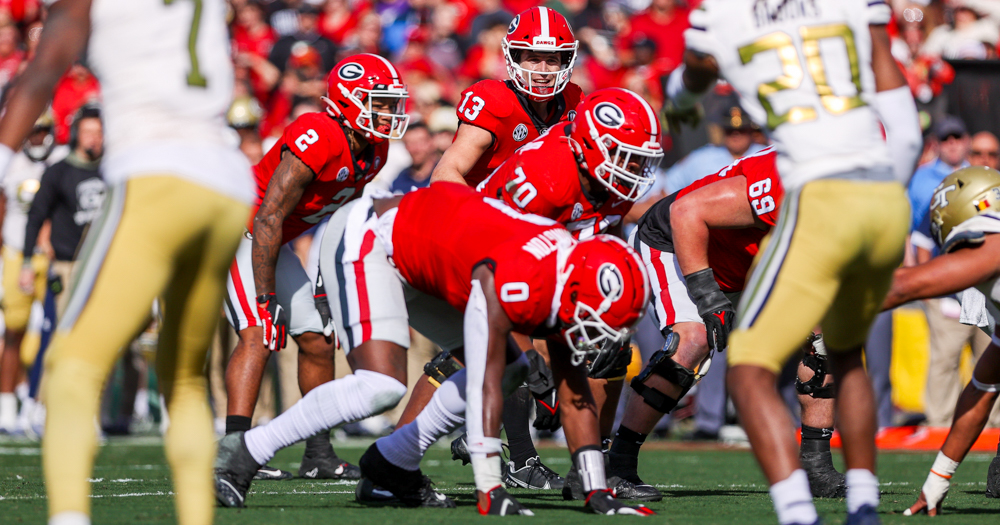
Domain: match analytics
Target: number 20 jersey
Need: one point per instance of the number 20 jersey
(166, 78)
(500, 109)
(803, 69)
(319, 142)
(730, 251)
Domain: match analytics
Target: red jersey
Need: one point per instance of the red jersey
(319, 142)
(543, 178)
(445, 231)
(498, 107)
(730, 251)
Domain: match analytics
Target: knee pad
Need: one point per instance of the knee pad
(515, 374)
(817, 362)
(439, 369)
(662, 365)
(379, 391)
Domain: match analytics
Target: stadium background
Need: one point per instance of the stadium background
(283, 49)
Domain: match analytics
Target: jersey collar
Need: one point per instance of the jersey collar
(540, 125)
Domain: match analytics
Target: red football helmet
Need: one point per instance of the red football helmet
(357, 85)
(618, 134)
(604, 293)
(542, 30)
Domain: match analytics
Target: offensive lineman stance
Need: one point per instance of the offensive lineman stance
(166, 78)
(586, 174)
(322, 161)
(698, 245)
(964, 219)
(830, 258)
(495, 119)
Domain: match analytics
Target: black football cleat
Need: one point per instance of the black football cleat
(993, 478)
(269, 473)
(604, 502)
(234, 471)
(533, 475)
(623, 477)
(410, 487)
(460, 450)
(824, 480)
(323, 463)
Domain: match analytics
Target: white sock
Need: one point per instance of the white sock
(70, 518)
(443, 414)
(862, 489)
(8, 410)
(350, 398)
(793, 500)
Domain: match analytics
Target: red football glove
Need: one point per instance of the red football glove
(275, 321)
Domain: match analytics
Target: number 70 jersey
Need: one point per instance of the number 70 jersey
(803, 70)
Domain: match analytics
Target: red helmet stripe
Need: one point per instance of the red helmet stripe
(544, 12)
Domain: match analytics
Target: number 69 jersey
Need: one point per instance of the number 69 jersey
(543, 178)
(730, 251)
(498, 107)
(803, 69)
(319, 142)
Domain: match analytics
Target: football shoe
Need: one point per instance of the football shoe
(269, 473)
(824, 480)
(503, 504)
(623, 476)
(410, 487)
(533, 475)
(866, 515)
(604, 502)
(234, 471)
(993, 478)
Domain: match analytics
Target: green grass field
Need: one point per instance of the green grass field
(131, 484)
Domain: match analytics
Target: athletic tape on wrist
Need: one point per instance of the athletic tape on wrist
(484, 446)
(486, 471)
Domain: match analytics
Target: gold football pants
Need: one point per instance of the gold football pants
(158, 236)
(828, 262)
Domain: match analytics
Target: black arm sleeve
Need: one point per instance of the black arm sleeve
(41, 208)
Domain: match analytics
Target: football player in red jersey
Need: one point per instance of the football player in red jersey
(498, 117)
(513, 272)
(322, 161)
(698, 245)
(586, 174)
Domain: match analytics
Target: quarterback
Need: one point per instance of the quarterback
(820, 76)
(166, 78)
(322, 161)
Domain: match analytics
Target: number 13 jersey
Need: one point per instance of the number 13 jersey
(319, 142)
(803, 69)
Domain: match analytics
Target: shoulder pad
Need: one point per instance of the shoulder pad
(573, 94)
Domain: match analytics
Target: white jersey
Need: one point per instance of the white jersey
(986, 223)
(166, 81)
(803, 70)
(19, 186)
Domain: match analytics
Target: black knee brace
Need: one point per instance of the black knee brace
(814, 386)
(662, 365)
(443, 366)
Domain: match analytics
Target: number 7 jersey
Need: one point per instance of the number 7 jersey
(803, 69)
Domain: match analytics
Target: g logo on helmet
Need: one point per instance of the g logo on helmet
(513, 24)
(610, 281)
(609, 115)
(351, 71)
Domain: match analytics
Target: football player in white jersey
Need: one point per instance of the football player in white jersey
(965, 215)
(19, 188)
(178, 201)
(819, 75)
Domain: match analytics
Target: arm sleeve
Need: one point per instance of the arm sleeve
(41, 206)
(477, 337)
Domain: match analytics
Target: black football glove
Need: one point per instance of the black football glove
(543, 388)
(713, 307)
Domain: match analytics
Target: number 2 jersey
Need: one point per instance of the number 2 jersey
(730, 251)
(320, 143)
(543, 178)
(803, 69)
(442, 233)
(166, 77)
(498, 107)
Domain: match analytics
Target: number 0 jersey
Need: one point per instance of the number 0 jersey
(730, 251)
(166, 78)
(803, 69)
(498, 107)
(543, 178)
(442, 233)
(319, 142)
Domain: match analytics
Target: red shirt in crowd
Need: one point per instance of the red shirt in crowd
(668, 36)
(75, 88)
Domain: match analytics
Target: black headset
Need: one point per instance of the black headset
(88, 110)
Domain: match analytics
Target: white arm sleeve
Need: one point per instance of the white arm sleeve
(902, 130)
(477, 337)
